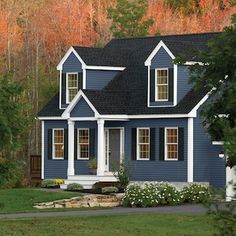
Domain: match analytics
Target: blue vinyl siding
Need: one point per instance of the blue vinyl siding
(82, 109)
(72, 64)
(207, 165)
(154, 170)
(183, 84)
(98, 79)
(81, 166)
(161, 60)
(53, 168)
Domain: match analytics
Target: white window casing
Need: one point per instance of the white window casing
(83, 146)
(171, 141)
(143, 144)
(58, 143)
(71, 88)
(164, 85)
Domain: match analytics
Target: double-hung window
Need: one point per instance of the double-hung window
(161, 85)
(58, 143)
(143, 143)
(83, 143)
(171, 143)
(71, 86)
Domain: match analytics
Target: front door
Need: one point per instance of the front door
(112, 149)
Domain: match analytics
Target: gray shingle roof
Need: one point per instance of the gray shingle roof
(127, 92)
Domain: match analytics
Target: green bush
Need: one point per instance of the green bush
(74, 187)
(123, 175)
(110, 189)
(151, 195)
(196, 193)
(49, 183)
(11, 173)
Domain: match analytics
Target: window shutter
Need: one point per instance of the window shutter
(180, 144)
(75, 144)
(152, 85)
(50, 144)
(161, 144)
(92, 143)
(63, 88)
(134, 144)
(80, 81)
(66, 144)
(152, 143)
(171, 84)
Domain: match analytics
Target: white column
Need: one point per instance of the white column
(230, 172)
(42, 150)
(71, 169)
(100, 148)
(190, 150)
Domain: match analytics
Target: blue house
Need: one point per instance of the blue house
(129, 101)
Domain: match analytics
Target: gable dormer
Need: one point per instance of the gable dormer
(161, 77)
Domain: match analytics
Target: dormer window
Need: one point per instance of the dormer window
(71, 86)
(161, 85)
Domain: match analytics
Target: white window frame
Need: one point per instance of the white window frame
(156, 85)
(53, 144)
(166, 153)
(137, 144)
(67, 88)
(78, 144)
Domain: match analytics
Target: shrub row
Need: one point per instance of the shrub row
(155, 194)
(52, 183)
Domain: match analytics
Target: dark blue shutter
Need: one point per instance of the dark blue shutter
(92, 143)
(63, 88)
(161, 144)
(65, 144)
(134, 144)
(152, 85)
(152, 143)
(180, 144)
(49, 143)
(75, 144)
(171, 84)
(80, 81)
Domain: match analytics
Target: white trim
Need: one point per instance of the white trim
(104, 68)
(156, 49)
(71, 50)
(84, 79)
(220, 143)
(60, 88)
(193, 112)
(175, 84)
(156, 85)
(137, 144)
(80, 94)
(100, 148)
(53, 147)
(50, 118)
(67, 90)
(78, 144)
(42, 150)
(165, 144)
(148, 87)
(190, 63)
(190, 150)
(71, 140)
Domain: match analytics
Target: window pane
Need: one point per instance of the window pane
(72, 86)
(172, 143)
(58, 143)
(83, 143)
(162, 84)
(143, 143)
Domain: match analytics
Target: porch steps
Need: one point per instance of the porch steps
(87, 181)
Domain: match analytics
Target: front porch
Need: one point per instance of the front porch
(109, 154)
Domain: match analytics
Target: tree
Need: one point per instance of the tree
(218, 75)
(13, 118)
(128, 18)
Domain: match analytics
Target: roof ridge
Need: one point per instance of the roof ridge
(169, 35)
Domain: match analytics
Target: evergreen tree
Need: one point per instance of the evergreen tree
(128, 18)
(218, 75)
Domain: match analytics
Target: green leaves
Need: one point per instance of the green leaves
(128, 19)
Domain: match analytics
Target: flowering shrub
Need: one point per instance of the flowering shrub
(151, 195)
(196, 193)
(74, 187)
(59, 181)
(49, 183)
(110, 189)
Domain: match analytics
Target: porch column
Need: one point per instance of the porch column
(100, 148)
(71, 169)
(190, 150)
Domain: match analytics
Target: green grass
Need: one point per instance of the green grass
(23, 199)
(131, 224)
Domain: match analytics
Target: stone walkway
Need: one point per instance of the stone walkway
(183, 209)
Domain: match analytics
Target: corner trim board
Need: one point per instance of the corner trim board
(190, 150)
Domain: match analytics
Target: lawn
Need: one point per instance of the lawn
(131, 224)
(23, 199)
